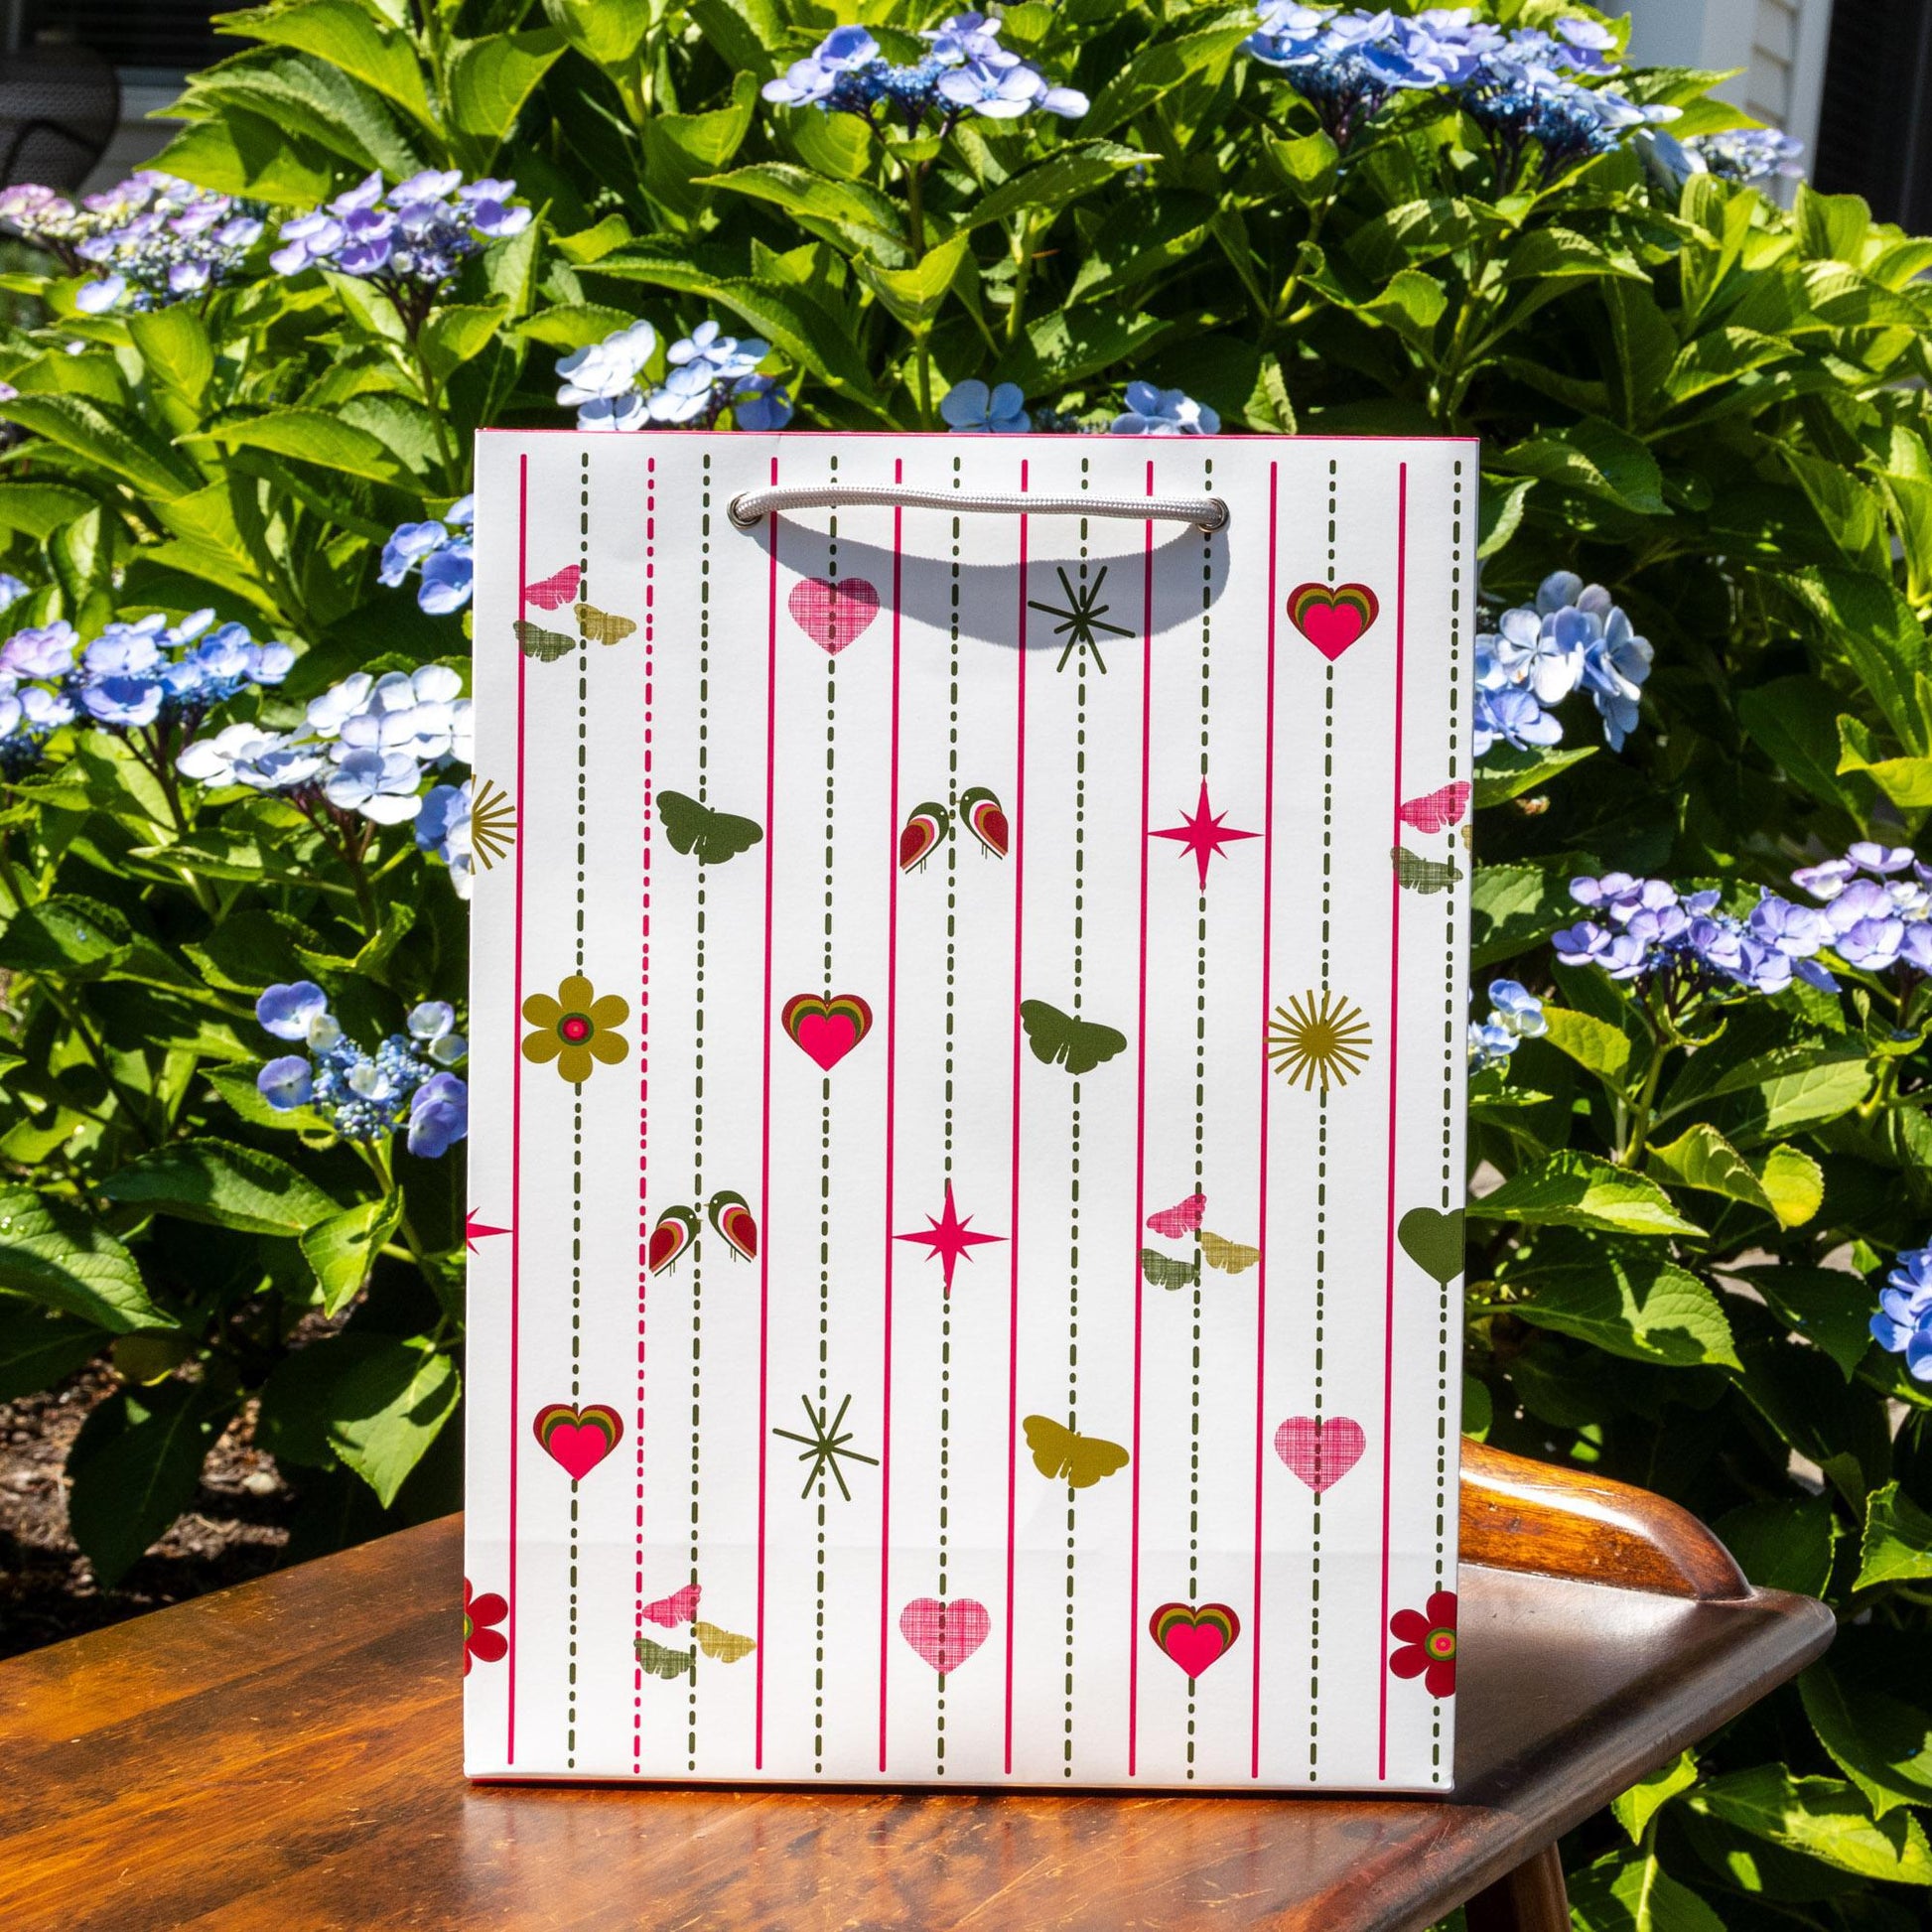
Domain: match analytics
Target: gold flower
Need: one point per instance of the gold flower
(1324, 1044)
(575, 1028)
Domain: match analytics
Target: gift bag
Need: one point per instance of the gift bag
(968, 1043)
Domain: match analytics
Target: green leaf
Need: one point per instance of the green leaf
(136, 1466)
(854, 207)
(1499, 517)
(1632, 1892)
(1783, 1542)
(454, 336)
(1791, 717)
(65, 938)
(40, 509)
(491, 79)
(1158, 70)
(39, 1347)
(1869, 624)
(54, 1254)
(1880, 1739)
(1790, 1187)
(1593, 457)
(609, 32)
(226, 1185)
(112, 438)
(1594, 1044)
(1580, 1190)
(342, 1249)
(1307, 164)
(1516, 907)
(344, 35)
(1897, 1545)
(1066, 176)
(1635, 1808)
(913, 296)
(174, 344)
(315, 438)
(374, 1403)
(595, 242)
(1829, 1307)
(241, 153)
(1644, 1308)
(1907, 782)
(1822, 1818)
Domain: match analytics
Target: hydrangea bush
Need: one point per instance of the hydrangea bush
(236, 398)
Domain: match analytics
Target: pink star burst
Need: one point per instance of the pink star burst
(1202, 835)
(949, 1237)
(473, 1230)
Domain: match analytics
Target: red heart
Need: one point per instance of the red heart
(1194, 1637)
(578, 1438)
(827, 1030)
(833, 612)
(945, 1634)
(1321, 1452)
(1332, 617)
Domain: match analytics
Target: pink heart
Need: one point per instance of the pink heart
(1321, 1452)
(945, 1634)
(826, 1030)
(578, 1446)
(1331, 617)
(833, 612)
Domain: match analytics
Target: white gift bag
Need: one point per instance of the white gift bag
(968, 1043)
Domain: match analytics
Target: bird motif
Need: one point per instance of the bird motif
(985, 819)
(733, 1219)
(676, 1229)
(926, 830)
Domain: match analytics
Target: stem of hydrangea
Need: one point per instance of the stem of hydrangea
(1634, 1125)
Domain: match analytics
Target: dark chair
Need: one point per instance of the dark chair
(59, 109)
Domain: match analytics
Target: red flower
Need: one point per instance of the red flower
(1428, 1644)
(481, 1645)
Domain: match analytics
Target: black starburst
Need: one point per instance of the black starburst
(824, 1445)
(1082, 617)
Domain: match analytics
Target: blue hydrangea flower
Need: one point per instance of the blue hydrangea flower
(439, 1116)
(445, 560)
(12, 590)
(286, 1083)
(760, 402)
(1875, 906)
(443, 827)
(971, 408)
(1515, 1015)
(1749, 154)
(154, 238)
(1685, 947)
(1164, 412)
(1571, 637)
(1903, 1323)
(965, 71)
(289, 1011)
(706, 373)
(410, 240)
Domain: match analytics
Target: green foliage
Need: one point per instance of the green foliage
(1717, 409)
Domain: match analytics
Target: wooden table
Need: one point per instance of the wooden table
(285, 1755)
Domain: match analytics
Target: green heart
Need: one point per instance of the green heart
(1432, 1241)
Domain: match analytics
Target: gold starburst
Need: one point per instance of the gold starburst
(1321, 1044)
(492, 822)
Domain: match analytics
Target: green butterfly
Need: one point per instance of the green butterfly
(1162, 1271)
(1422, 875)
(662, 1661)
(1079, 1045)
(546, 646)
(713, 836)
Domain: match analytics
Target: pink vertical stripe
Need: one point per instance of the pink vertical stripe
(1013, 1236)
(892, 1063)
(1395, 1014)
(1139, 1154)
(764, 1127)
(1261, 1268)
(643, 1108)
(516, 1091)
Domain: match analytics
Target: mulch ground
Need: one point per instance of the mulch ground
(236, 1528)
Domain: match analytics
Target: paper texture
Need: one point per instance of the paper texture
(967, 1047)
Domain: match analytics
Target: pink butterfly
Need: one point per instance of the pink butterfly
(556, 589)
(1436, 811)
(1184, 1217)
(679, 1607)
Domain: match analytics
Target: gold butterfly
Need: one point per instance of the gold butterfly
(1060, 1454)
(725, 1645)
(662, 1661)
(600, 628)
(1228, 1256)
(546, 646)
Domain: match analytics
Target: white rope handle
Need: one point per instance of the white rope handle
(751, 506)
